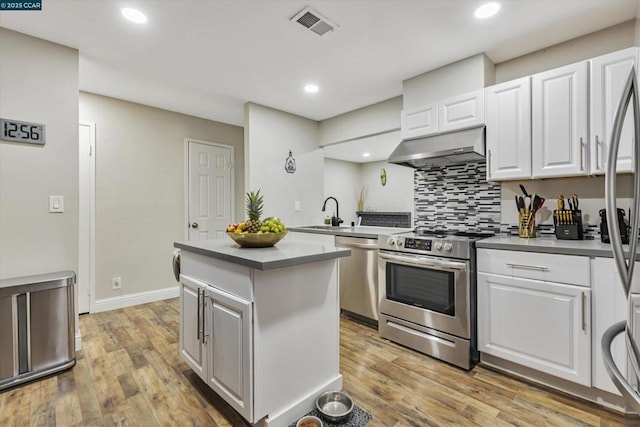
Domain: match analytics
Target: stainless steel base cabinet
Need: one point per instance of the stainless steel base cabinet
(37, 326)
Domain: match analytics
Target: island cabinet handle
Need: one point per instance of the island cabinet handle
(528, 267)
(584, 301)
(202, 316)
(198, 310)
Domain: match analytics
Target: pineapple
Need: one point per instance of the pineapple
(254, 210)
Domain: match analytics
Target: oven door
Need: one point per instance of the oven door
(429, 291)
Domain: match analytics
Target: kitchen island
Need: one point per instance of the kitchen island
(261, 326)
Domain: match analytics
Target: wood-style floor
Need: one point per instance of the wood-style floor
(129, 373)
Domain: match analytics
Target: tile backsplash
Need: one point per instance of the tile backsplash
(457, 197)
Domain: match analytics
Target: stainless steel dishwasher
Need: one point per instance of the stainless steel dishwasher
(359, 278)
(37, 326)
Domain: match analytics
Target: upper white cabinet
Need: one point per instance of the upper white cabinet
(608, 76)
(418, 122)
(461, 112)
(508, 132)
(560, 121)
(446, 115)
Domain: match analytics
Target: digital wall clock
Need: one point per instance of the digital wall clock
(17, 131)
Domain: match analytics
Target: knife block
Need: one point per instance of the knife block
(568, 224)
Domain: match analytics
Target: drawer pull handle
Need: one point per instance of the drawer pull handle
(528, 267)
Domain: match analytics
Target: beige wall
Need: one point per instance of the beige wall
(269, 135)
(342, 181)
(589, 46)
(38, 83)
(140, 188)
(396, 195)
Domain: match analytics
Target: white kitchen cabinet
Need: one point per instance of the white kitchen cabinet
(526, 316)
(508, 131)
(461, 111)
(256, 323)
(229, 366)
(541, 325)
(192, 346)
(608, 76)
(419, 122)
(560, 121)
(446, 115)
(215, 340)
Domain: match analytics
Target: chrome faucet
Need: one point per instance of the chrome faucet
(335, 220)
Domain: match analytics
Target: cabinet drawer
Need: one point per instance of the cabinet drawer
(538, 266)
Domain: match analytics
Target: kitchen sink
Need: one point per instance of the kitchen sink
(320, 227)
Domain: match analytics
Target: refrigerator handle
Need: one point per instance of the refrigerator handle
(630, 395)
(624, 266)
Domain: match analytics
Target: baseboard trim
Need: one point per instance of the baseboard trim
(129, 300)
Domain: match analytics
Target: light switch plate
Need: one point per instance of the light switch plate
(296, 206)
(56, 204)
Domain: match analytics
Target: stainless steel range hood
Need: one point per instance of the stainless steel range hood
(441, 150)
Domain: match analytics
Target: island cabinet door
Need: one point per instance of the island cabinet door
(192, 344)
(230, 369)
(540, 325)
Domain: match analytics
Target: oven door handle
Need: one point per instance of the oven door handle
(415, 261)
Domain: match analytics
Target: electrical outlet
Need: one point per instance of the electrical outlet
(116, 283)
(296, 206)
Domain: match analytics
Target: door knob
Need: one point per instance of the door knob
(194, 225)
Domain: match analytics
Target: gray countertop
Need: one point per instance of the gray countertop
(551, 245)
(357, 231)
(295, 248)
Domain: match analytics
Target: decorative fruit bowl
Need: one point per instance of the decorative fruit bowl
(257, 240)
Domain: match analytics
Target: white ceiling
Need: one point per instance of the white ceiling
(207, 58)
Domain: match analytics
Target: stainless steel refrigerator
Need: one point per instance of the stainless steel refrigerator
(629, 385)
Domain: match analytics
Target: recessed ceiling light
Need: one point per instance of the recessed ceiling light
(487, 10)
(366, 154)
(310, 88)
(134, 15)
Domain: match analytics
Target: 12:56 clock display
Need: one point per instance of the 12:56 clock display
(18, 131)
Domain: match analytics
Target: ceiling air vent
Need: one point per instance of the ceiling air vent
(314, 21)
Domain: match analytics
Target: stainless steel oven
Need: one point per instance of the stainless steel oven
(427, 295)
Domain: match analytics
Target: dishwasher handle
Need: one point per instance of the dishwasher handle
(357, 246)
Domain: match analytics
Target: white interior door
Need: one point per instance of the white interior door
(85, 275)
(210, 189)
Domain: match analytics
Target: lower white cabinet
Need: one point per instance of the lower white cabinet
(541, 325)
(229, 370)
(192, 347)
(215, 340)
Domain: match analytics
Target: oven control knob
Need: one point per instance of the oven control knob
(438, 245)
(400, 242)
(448, 247)
(391, 241)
